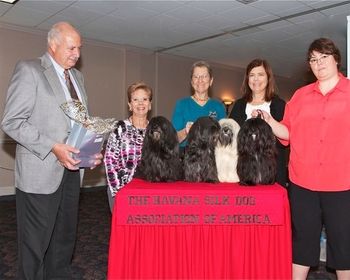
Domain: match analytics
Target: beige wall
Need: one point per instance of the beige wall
(108, 70)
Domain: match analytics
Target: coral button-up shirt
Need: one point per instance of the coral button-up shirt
(319, 137)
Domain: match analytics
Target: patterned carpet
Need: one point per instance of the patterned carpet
(90, 258)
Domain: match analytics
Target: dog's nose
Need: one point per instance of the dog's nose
(225, 129)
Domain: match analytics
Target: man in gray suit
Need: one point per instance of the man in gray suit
(46, 176)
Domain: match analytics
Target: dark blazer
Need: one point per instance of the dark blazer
(277, 107)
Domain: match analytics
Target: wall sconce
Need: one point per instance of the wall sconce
(227, 103)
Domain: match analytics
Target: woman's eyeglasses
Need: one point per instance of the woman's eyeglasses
(319, 60)
(200, 77)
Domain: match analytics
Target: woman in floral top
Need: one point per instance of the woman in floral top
(124, 146)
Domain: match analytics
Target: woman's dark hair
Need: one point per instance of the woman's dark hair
(271, 84)
(325, 46)
(139, 85)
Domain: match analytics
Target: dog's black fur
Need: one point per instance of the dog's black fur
(257, 153)
(199, 160)
(160, 160)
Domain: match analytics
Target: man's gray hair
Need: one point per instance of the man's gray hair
(54, 33)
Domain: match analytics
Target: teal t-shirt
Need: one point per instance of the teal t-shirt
(187, 110)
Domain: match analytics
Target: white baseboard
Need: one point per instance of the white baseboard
(10, 190)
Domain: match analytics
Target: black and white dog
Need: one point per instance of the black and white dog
(199, 160)
(226, 154)
(257, 153)
(160, 160)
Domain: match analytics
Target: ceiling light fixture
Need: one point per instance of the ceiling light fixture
(246, 2)
(9, 1)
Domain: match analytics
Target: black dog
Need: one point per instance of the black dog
(257, 153)
(160, 160)
(199, 161)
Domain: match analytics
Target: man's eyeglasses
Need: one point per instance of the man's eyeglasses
(321, 59)
(202, 77)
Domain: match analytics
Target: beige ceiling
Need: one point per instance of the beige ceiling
(226, 32)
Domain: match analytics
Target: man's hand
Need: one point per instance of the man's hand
(98, 160)
(63, 153)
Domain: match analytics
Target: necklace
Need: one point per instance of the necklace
(200, 99)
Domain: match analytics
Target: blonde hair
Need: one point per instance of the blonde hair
(139, 85)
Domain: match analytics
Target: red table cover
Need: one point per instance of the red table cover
(200, 231)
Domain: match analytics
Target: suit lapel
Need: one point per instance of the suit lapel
(53, 80)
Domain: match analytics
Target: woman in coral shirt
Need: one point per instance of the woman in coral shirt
(317, 127)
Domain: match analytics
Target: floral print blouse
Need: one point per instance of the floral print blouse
(123, 154)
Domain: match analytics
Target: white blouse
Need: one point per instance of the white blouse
(249, 108)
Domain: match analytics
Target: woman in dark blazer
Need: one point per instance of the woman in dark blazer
(259, 92)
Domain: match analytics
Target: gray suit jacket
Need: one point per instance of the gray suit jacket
(33, 118)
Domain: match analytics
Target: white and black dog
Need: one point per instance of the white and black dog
(257, 153)
(160, 160)
(226, 154)
(199, 160)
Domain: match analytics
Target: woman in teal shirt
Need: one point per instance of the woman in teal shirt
(199, 104)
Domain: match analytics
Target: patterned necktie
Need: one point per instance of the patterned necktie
(70, 86)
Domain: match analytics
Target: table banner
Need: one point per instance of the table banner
(231, 204)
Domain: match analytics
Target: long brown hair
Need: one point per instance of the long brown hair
(271, 84)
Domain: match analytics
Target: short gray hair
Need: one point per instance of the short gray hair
(54, 33)
(57, 29)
